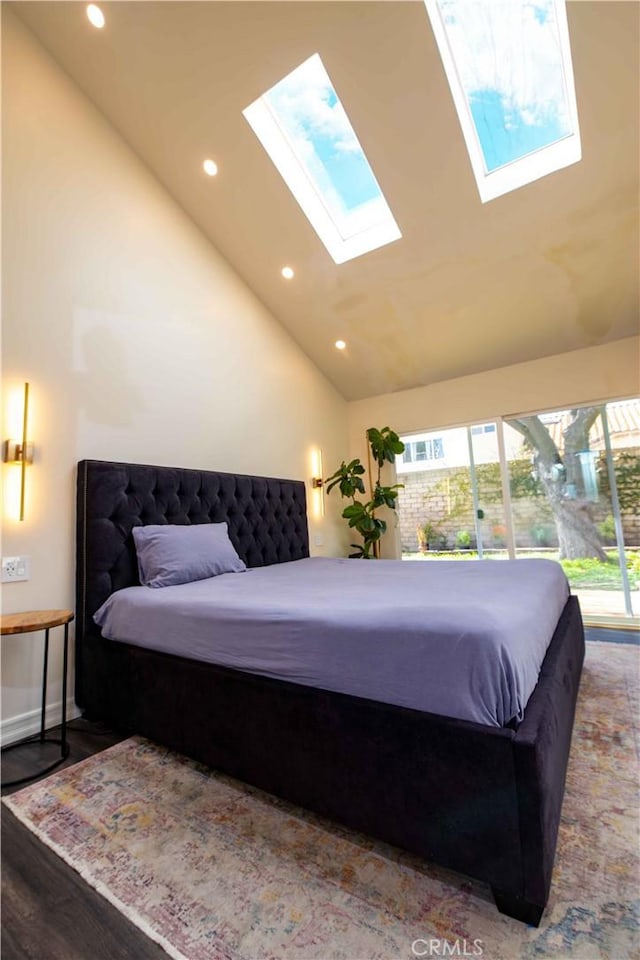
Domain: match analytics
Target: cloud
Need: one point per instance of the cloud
(307, 104)
(513, 49)
(318, 129)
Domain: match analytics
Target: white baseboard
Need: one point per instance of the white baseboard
(26, 724)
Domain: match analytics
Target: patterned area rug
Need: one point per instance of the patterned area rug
(212, 869)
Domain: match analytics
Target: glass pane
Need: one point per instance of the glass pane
(508, 63)
(492, 522)
(561, 498)
(623, 420)
(436, 506)
(323, 140)
(304, 128)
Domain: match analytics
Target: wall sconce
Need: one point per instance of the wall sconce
(317, 483)
(20, 451)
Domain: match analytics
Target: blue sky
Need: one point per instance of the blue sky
(509, 61)
(348, 170)
(315, 122)
(503, 135)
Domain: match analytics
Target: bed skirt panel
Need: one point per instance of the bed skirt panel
(541, 751)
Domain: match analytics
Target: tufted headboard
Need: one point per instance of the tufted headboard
(267, 521)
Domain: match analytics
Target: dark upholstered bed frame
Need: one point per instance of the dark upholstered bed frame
(484, 801)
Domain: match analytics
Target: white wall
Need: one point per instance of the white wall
(139, 341)
(596, 374)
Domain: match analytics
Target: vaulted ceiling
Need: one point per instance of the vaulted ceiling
(549, 268)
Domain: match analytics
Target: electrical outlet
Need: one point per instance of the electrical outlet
(318, 540)
(15, 568)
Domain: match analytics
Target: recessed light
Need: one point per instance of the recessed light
(340, 345)
(95, 15)
(210, 167)
(287, 273)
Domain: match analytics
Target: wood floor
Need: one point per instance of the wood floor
(48, 911)
(607, 635)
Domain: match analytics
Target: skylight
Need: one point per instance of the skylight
(508, 63)
(305, 130)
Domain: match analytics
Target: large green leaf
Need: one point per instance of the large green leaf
(356, 509)
(385, 445)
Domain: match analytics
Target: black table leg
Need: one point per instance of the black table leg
(45, 668)
(41, 737)
(63, 736)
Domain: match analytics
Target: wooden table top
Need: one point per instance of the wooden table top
(11, 623)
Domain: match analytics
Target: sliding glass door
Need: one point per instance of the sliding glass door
(452, 503)
(562, 485)
(578, 500)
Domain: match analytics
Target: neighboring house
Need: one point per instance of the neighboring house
(450, 448)
(623, 422)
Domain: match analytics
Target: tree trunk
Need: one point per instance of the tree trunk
(578, 536)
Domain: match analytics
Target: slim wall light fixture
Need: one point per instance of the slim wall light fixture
(316, 467)
(20, 451)
(317, 482)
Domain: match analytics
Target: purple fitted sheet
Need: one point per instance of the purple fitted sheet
(458, 638)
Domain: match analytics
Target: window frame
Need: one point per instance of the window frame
(540, 163)
(263, 120)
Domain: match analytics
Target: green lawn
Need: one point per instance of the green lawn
(588, 574)
(595, 575)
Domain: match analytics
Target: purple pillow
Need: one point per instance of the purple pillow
(169, 554)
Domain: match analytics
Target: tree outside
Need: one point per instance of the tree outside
(565, 478)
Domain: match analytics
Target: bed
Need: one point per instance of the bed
(477, 798)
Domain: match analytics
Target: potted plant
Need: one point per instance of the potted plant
(430, 537)
(607, 530)
(384, 446)
(463, 539)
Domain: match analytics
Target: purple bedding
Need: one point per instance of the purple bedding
(460, 639)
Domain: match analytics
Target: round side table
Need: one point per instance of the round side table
(30, 622)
